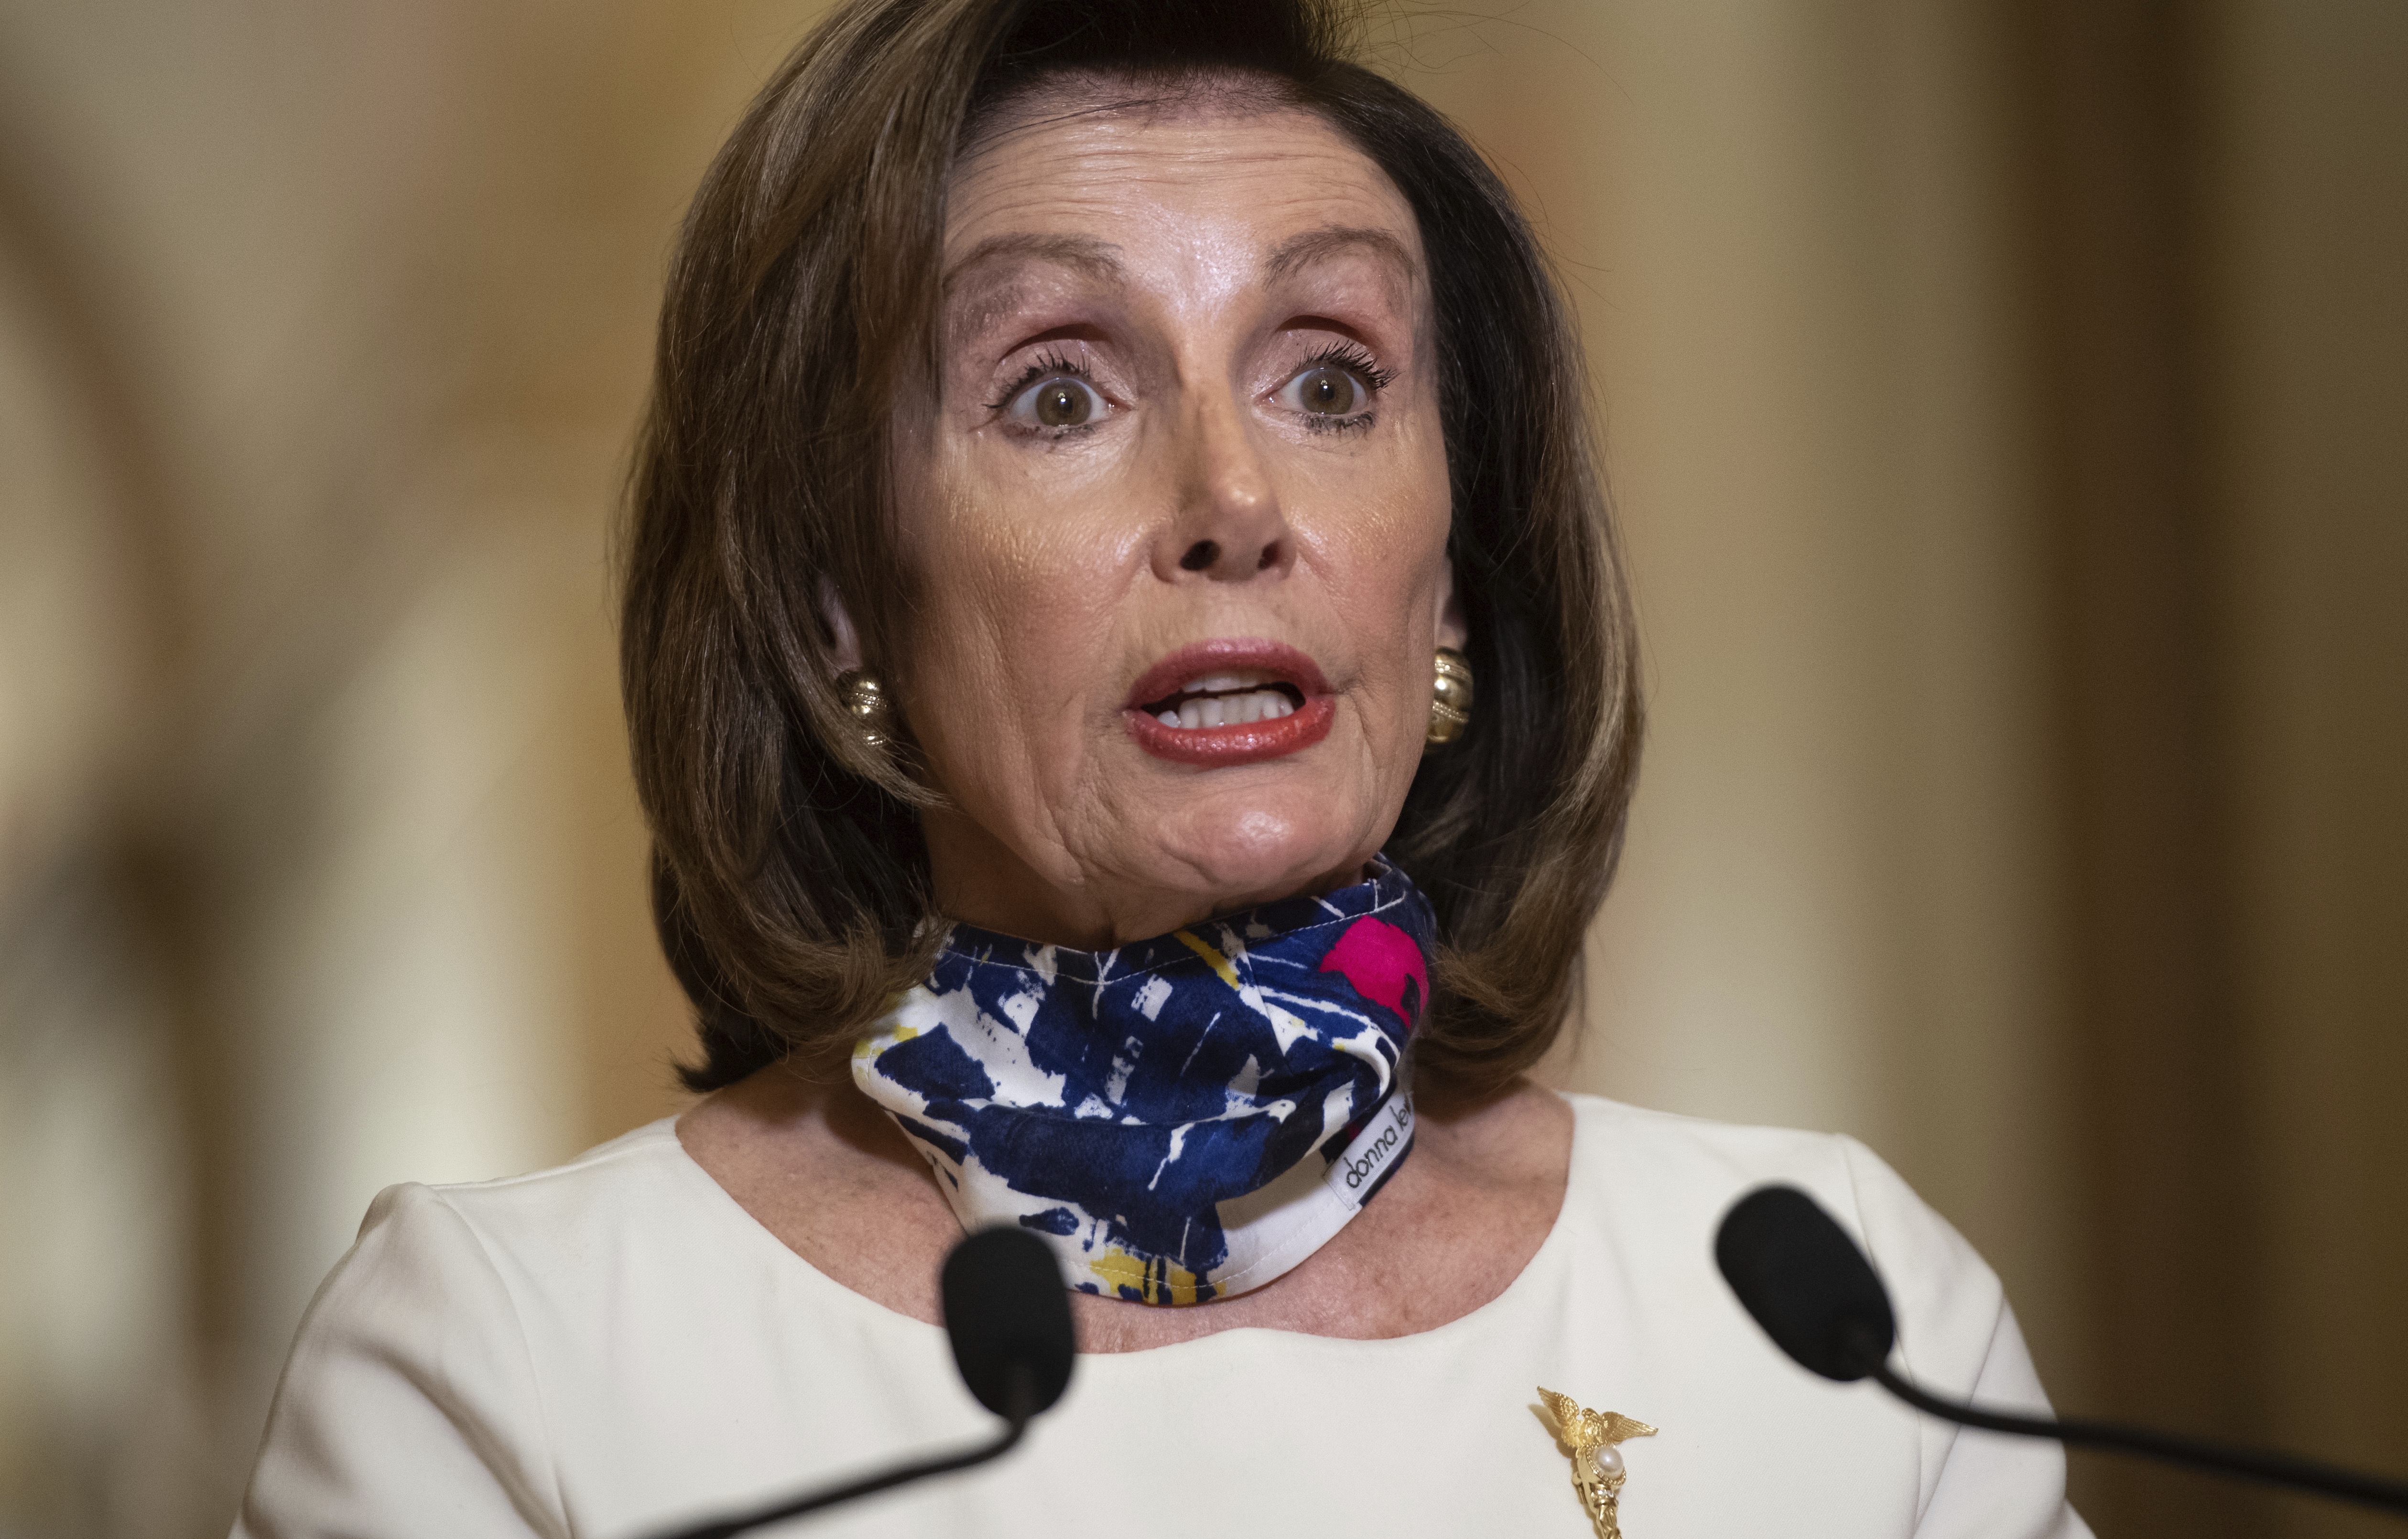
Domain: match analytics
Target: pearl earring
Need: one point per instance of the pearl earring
(1450, 699)
(873, 716)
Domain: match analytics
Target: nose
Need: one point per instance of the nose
(1226, 524)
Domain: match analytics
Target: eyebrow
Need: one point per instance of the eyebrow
(1316, 245)
(1096, 258)
(972, 303)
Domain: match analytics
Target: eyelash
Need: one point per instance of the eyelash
(1046, 366)
(1356, 359)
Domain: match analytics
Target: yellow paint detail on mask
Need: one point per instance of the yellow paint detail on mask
(1117, 1270)
(1212, 960)
(869, 1045)
(1160, 1282)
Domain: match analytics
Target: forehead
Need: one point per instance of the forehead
(1195, 182)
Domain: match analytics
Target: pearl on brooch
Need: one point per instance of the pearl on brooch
(1605, 1460)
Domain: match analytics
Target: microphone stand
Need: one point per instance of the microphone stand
(2190, 1453)
(1023, 1403)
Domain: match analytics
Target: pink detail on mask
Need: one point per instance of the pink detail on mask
(1377, 958)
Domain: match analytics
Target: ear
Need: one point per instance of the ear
(845, 648)
(1446, 624)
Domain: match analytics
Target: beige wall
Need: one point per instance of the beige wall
(372, 286)
(2310, 225)
(322, 331)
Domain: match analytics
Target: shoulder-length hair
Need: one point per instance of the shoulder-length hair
(790, 880)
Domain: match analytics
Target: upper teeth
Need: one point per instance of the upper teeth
(1226, 699)
(1261, 705)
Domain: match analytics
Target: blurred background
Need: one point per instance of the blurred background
(2007, 401)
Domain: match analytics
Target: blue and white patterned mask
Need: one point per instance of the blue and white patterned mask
(1182, 1119)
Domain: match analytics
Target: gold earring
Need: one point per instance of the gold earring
(1450, 697)
(865, 699)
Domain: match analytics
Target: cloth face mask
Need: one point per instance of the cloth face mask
(1182, 1119)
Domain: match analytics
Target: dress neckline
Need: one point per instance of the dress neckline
(1544, 1261)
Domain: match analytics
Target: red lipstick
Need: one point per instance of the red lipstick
(1248, 743)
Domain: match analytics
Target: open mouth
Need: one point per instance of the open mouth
(1236, 699)
(1229, 702)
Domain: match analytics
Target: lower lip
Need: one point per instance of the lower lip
(1249, 742)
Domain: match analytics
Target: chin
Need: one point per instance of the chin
(1254, 853)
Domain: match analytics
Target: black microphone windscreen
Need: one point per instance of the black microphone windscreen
(1796, 1270)
(1006, 1309)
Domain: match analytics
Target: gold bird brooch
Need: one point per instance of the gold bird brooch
(1597, 1473)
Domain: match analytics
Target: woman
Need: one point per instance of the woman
(1089, 440)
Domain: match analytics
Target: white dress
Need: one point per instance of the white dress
(615, 1347)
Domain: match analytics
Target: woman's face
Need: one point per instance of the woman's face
(1186, 468)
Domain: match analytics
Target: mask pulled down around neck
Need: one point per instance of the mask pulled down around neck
(1182, 1119)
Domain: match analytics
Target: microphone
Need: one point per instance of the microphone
(1814, 1293)
(1008, 1319)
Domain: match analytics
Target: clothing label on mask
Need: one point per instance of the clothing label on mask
(1381, 1142)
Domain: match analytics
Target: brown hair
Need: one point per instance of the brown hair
(789, 875)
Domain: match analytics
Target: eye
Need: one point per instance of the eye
(1324, 390)
(1057, 400)
(1335, 389)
